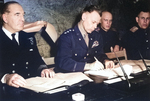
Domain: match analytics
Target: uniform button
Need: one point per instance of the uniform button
(75, 54)
(79, 39)
(84, 57)
(30, 49)
(146, 40)
(87, 54)
(26, 67)
(145, 33)
(91, 39)
(147, 47)
(27, 63)
(13, 64)
(28, 74)
(95, 51)
(13, 71)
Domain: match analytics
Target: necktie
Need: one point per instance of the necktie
(86, 38)
(14, 39)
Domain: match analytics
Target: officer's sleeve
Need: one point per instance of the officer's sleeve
(64, 58)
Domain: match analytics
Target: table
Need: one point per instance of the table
(93, 92)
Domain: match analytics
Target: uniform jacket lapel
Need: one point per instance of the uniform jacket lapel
(80, 38)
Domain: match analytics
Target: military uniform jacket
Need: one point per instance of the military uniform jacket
(73, 52)
(138, 41)
(110, 39)
(23, 59)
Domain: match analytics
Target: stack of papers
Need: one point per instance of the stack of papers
(106, 73)
(40, 84)
(111, 73)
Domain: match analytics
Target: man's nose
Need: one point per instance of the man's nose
(108, 22)
(22, 18)
(145, 20)
(95, 26)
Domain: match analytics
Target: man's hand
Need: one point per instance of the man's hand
(94, 66)
(109, 64)
(116, 48)
(15, 80)
(97, 65)
(48, 73)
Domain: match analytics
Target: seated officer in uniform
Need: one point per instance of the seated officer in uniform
(110, 37)
(137, 40)
(19, 56)
(79, 49)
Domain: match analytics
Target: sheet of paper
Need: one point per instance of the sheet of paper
(111, 73)
(111, 81)
(137, 65)
(40, 84)
(107, 73)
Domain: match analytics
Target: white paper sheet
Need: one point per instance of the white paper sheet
(40, 84)
(111, 73)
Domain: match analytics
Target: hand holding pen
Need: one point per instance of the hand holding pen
(97, 65)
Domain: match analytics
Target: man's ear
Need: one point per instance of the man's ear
(84, 15)
(100, 20)
(137, 19)
(4, 17)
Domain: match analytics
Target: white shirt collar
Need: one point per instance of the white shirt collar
(9, 34)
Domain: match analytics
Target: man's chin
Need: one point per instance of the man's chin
(144, 27)
(107, 28)
(20, 28)
(89, 31)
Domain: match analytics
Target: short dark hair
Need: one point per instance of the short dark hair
(5, 9)
(92, 8)
(89, 9)
(141, 6)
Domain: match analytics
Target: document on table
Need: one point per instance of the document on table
(138, 65)
(114, 80)
(40, 84)
(106, 73)
(111, 73)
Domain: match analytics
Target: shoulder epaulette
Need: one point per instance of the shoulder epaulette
(134, 29)
(69, 30)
